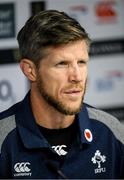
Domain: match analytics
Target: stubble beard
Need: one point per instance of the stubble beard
(58, 104)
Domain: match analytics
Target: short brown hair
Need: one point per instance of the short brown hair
(45, 29)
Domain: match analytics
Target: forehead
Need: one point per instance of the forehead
(78, 49)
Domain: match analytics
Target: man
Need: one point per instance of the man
(52, 134)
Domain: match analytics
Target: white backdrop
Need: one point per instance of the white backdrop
(13, 85)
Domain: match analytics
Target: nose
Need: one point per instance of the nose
(75, 74)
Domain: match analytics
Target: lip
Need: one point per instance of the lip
(73, 94)
(73, 91)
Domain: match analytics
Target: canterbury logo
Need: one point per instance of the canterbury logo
(59, 149)
(22, 167)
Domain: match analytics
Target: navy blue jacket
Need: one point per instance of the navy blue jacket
(98, 152)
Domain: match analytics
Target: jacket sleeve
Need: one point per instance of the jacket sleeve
(122, 164)
(5, 169)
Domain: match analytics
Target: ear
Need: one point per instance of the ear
(28, 68)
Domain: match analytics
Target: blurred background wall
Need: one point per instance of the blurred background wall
(103, 20)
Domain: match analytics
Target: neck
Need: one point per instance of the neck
(46, 115)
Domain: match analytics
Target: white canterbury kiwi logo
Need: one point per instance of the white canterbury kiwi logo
(59, 150)
(22, 167)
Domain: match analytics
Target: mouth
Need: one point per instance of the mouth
(74, 93)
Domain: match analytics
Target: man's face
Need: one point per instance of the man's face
(62, 75)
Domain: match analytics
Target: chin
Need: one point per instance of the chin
(73, 110)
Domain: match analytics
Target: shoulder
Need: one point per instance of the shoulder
(111, 122)
(7, 122)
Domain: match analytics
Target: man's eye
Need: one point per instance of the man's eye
(62, 63)
(82, 62)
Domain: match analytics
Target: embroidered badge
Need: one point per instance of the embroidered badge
(99, 159)
(88, 135)
(22, 169)
(60, 149)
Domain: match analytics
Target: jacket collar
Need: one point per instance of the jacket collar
(27, 127)
(30, 133)
(86, 133)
